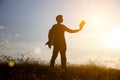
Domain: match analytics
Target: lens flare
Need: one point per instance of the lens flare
(11, 63)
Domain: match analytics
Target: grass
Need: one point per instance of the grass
(27, 69)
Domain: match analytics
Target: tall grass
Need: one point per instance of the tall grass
(27, 69)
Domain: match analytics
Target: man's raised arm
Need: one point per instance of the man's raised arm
(76, 30)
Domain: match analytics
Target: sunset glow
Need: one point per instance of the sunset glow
(24, 27)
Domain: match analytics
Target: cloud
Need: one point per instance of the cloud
(4, 40)
(15, 49)
(2, 27)
(17, 35)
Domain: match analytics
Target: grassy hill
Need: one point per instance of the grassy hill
(34, 70)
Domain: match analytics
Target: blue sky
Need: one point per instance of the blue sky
(26, 17)
(24, 26)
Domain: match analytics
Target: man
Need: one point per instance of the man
(57, 40)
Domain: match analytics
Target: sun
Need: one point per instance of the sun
(112, 39)
(97, 21)
(37, 50)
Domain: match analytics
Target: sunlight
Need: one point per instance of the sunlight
(113, 39)
(97, 20)
(37, 50)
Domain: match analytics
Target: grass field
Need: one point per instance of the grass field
(33, 70)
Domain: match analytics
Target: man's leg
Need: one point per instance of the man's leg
(63, 58)
(54, 56)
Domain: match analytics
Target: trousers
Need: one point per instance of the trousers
(56, 50)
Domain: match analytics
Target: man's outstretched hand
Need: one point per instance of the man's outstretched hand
(82, 24)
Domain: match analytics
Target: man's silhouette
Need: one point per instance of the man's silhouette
(57, 40)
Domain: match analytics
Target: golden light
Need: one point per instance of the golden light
(112, 39)
(11, 63)
(37, 50)
(97, 20)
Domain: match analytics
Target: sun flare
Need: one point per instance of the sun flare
(37, 50)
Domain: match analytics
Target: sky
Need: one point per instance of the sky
(24, 26)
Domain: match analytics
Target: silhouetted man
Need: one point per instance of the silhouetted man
(57, 39)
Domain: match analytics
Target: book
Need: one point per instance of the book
(82, 24)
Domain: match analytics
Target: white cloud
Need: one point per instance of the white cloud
(17, 35)
(4, 40)
(16, 49)
(2, 27)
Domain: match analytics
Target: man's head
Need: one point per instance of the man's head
(59, 18)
